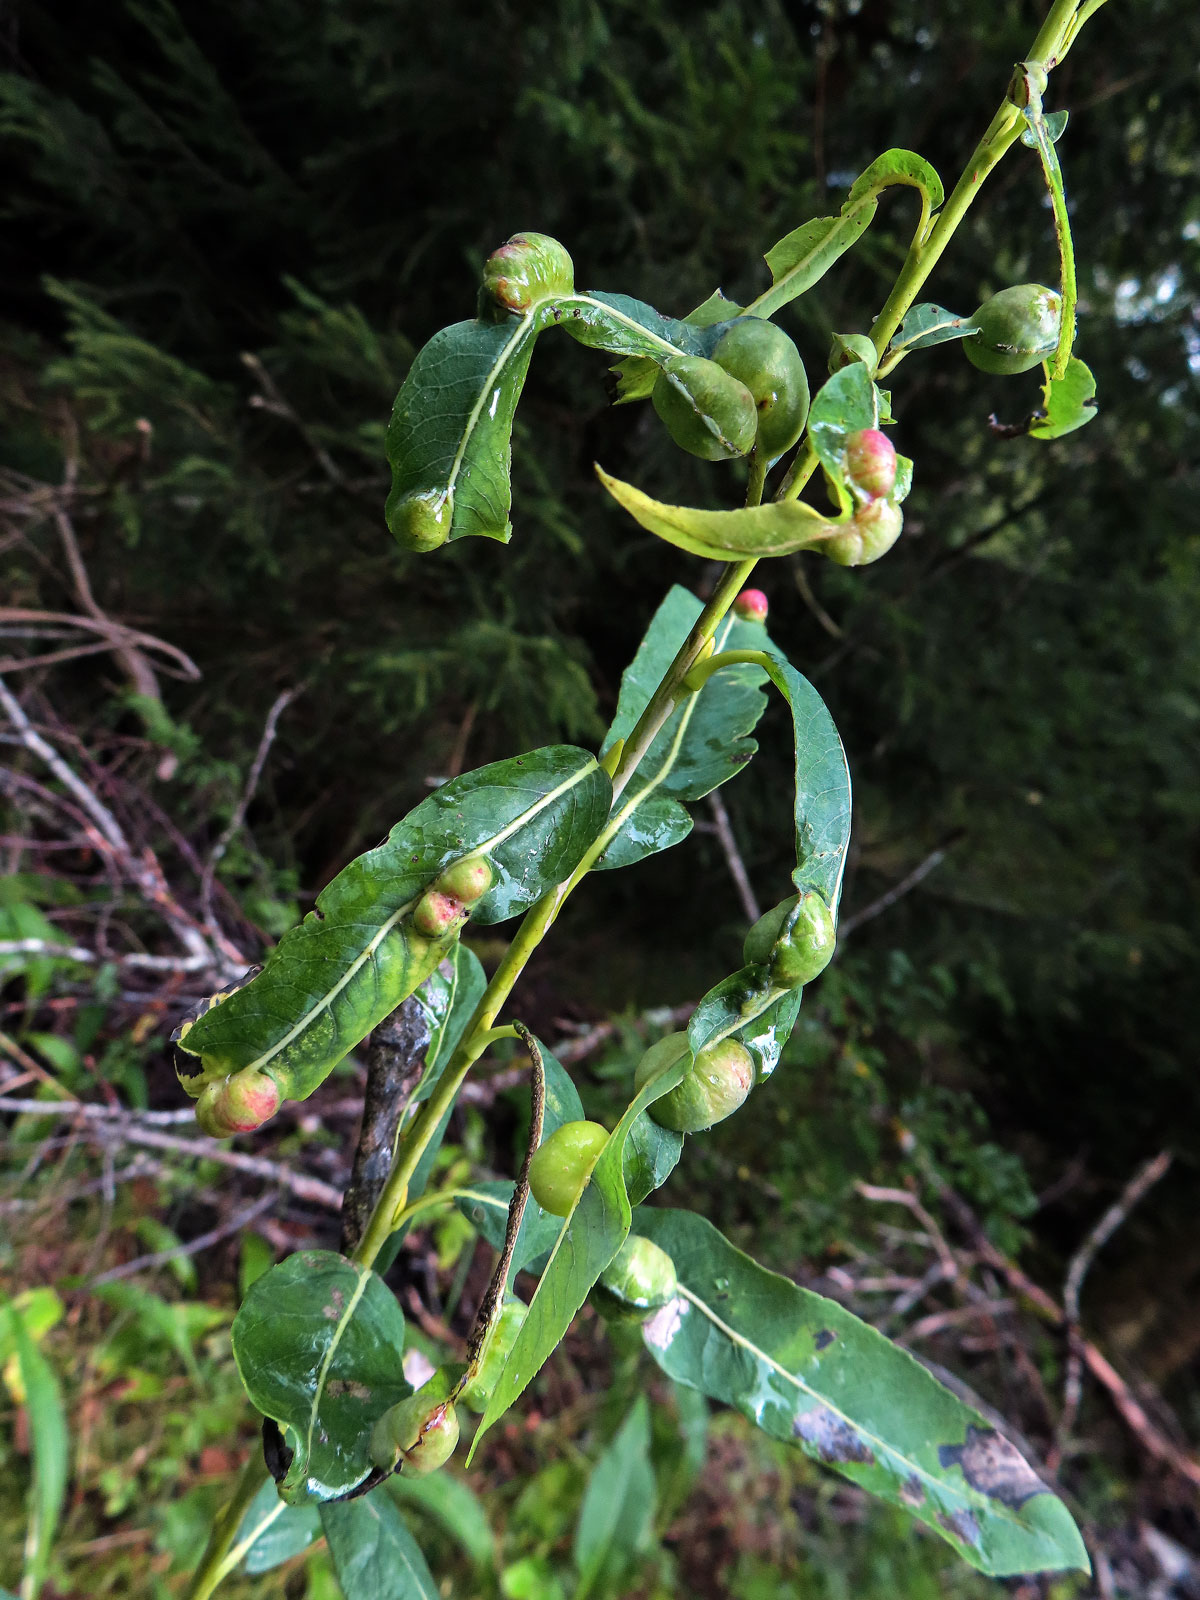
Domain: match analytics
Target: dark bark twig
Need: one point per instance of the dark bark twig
(395, 1062)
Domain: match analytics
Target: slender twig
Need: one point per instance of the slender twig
(897, 892)
(733, 857)
(161, 1258)
(280, 705)
(133, 958)
(1139, 1185)
(116, 1115)
(117, 633)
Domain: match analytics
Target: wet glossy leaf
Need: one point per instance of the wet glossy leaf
(353, 960)
(279, 1531)
(845, 403)
(808, 1372)
(486, 1206)
(927, 325)
(822, 803)
(705, 741)
(1068, 402)
(589, 1237)
(636, 374)
(651, 1155)
(449, 441)
(49, 1448)
(318, 1342)
(745, 1007)
(897, 167)
(627, 327)
(374, 1555)
(777, 529)
(617, 1513)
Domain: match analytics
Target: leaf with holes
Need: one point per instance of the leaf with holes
(808, 1372)
(318, 1342)
(357, 956)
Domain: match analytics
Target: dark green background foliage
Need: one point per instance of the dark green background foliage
(223, 204)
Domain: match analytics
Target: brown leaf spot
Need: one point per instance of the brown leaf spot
(825, 1338)
(832, 1437)
(961, 1524)
(336, 1387)
(912, 1491)
(993, 1466)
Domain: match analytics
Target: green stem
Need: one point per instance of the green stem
(703, 670)
(1062, 227)
(1053, 41)
(219, 1558)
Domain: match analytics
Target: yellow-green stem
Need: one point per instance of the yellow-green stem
(215, 1563)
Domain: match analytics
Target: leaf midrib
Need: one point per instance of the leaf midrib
(364, 955)
(967, 1495)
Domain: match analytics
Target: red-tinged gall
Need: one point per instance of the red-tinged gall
(237, 1104)
(870, 463)
(437, 914)
(466, 880)
(751, 606)
(527, 268)
(420, 1434)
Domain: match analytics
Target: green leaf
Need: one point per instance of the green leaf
(374, 1555)
(845, 403)
(704, 742)
(651, 1155)
(776, 529)
(318, 1342)
(848, 347)
(627, 327)
(449, 441)
(352, 961)
(897, 167)
(808, 1372)
(927, 325)
(486, 1206)
(1054, 122)
(455, 1505)
(616, 1517)
(636, 374)
(589, 1237)
(1068, 402)
(448, 997)
(806, 254)
(822, 805)
(49, 1443)
(278, 1531)
(747, 1008)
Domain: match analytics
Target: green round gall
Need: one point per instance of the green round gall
(761, 356)
(437, 913)
(421, 521)
(807, 943)
(721, 1077)
(706, 411)
(641, 1275)
(466, 880)
(563, 1163)
(525, 269)
(760, 941)
(418, 1435)
(1017, 328)
(661, 1055)
(478, 1390)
